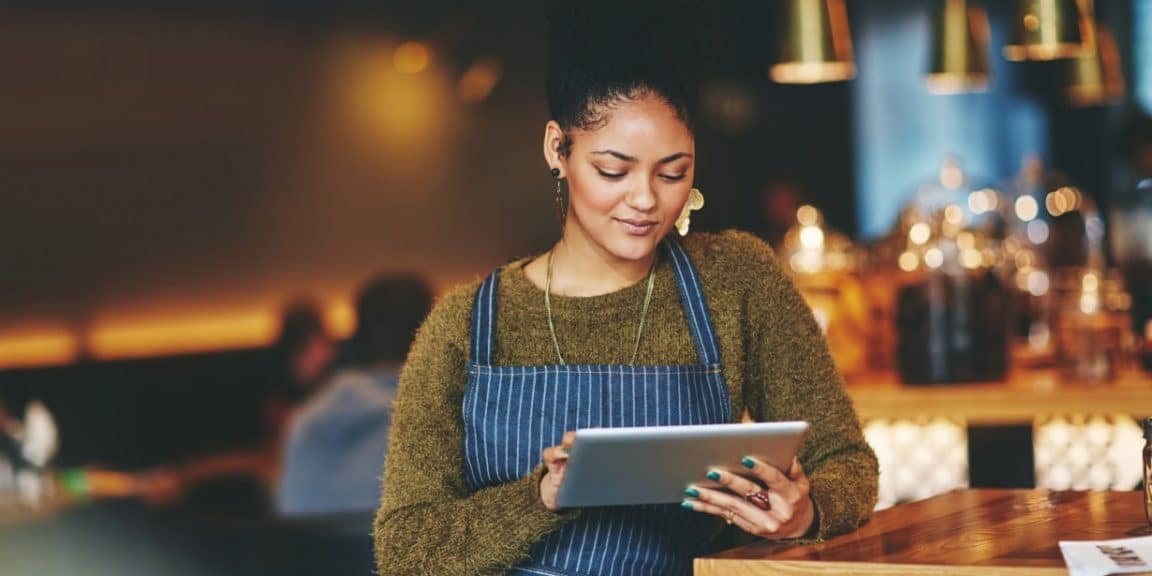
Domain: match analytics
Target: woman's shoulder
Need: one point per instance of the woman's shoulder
(730, 252)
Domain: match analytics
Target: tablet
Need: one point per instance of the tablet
(653, 465)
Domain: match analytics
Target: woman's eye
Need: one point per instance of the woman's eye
(611, 175)
(673, 177)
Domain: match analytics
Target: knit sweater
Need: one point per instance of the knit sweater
(774, 360)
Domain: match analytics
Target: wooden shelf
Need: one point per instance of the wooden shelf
(1020, 399)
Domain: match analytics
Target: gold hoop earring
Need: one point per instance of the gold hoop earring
(695, 202)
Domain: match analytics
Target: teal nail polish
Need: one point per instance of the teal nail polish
(692, 492)
(714, 475)
(748, 462)
(687, 505)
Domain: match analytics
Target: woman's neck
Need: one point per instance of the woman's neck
(581, 269)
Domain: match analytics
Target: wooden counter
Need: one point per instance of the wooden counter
(1018, 400)
(967, 532)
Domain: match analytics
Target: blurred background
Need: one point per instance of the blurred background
(194, 196)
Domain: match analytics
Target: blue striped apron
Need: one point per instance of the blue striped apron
(511, 413)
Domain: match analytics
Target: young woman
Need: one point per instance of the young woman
(621, 323)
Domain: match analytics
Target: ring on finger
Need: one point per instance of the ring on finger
(759, 498)
(728, 517)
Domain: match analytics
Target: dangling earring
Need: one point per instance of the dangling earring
(561, 201)
(695, 202)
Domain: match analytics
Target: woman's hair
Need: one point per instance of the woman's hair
(604, 53)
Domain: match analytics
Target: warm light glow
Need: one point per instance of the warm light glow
(382, 106)
(181, 335)
(978, 202)
(1062, 200)
(920, 233)
(812, 237)
(934, 258)
(33, 348)
(812, 72)
(1090, 282)
(971, 259)
(954, 215)
(807, 215)
(1038, 282)
(340, 317)
(908, 261)
(479, 80)
(1025, 259)
(411, 58)
(1026, 208)
(966, 240)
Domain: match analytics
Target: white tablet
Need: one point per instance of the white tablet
(653, 465)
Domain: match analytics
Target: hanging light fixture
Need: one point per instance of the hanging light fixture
(959, 49)
(1096, 76)
(1048, 29)
(816, 45)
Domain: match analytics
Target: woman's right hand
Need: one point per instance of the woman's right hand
(555, 458)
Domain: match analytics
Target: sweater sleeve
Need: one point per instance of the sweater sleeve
(792, 377)
(428, 521)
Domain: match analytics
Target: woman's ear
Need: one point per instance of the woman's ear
(553, 144)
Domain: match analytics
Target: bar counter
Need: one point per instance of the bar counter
(1019, 399)
(965, 532)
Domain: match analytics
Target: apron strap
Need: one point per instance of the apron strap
(695, 304)
(484, 320)
(691, 297)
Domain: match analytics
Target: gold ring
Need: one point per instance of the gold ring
(728, 517)
(760, 499)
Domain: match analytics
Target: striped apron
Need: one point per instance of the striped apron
(511, 413)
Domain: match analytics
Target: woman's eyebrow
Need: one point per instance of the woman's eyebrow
(619, 155)
(627, 158)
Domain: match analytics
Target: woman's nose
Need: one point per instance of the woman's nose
(641, 197)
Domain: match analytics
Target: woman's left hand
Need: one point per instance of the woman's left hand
(767, 502)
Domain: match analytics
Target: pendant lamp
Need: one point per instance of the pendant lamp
(1096, 77)
(816, 45)
(959, 60)
(1048, 29)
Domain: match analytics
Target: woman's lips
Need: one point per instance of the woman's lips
(637, 227)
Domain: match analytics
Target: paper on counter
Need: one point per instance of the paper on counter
(1102, 557)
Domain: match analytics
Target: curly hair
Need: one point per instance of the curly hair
(605, 53)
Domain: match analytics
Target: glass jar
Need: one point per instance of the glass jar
(1092, 327)
(953, 310)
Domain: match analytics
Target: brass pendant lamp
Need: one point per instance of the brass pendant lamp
(959, 61)
(816, 44)
(1048, 29)
(1096, 77)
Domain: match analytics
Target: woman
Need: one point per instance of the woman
(618, 308)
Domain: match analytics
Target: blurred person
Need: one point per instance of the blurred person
(242, 480)
(337, 441)
(707, 327)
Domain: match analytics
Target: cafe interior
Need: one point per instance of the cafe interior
(961, 191)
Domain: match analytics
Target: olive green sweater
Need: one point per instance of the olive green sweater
(774, 360)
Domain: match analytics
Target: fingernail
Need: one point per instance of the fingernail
(714, 475)
(564, 450)
(687, 505)
(748, 462)
(692, 492)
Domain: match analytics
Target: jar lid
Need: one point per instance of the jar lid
(1148, 428)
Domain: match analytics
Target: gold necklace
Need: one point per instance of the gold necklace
(643, 311)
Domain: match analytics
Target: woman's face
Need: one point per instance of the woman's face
(628, 179)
